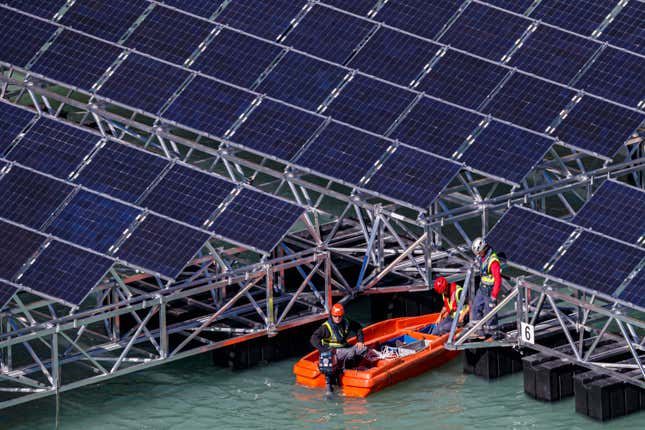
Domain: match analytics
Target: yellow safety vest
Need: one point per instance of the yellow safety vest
(332, 341)
(450, 303)
(487, 277)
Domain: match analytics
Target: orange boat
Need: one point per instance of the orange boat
(403, 351)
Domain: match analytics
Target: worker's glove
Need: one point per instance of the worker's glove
(492, 303)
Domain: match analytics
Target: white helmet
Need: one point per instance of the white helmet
(478, 245)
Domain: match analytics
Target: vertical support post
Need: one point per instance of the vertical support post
(427, 253)
(328, 295)
(381, 241)
(484, 220)
(163, 328)
(9, 350)
(269, 299)
(116, 321)
(55, 362)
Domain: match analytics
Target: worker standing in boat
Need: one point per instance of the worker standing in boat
(334, 332)
(490, 284)
(450, 302)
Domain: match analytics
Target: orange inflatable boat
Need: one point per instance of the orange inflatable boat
(400, 350)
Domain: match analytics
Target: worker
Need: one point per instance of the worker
(334, 332)
(490, 284)
(450, 302)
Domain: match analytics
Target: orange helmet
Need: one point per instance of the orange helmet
(440, 284)
(337, 310)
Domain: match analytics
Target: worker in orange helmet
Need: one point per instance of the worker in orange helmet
(450, 303)
(334, 333)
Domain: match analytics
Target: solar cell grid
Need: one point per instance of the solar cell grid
(416, 17)
(188, 195)
(66, 272)
(268, 19)
(17, 245)
(6, 293)
(53, 147)
(13, 121)
(121, 171)
(370, 104)
(162, 245)
(276, 129)
(108, 20)
(204, 8)
(413, 177)
(43, 8)
(92, 221)
(517, 6)
(581, 16)
(358, 7)
(394, 56)
(462, 79)
(25, 39)
(627, 29)
(257, 219)
(34, 197)
(635, 290)
(209, 106)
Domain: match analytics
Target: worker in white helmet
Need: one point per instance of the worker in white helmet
(490, 269)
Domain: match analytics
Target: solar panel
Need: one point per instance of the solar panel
(143, 83)
(208, 106)
(342, 152)
(188, 195)
(13, 121)
(6, 293)
(162, 245)
(436, 127)
(155, 37)
(121, 171)
(413, 177)
(370, 104)
(462, 79)
(92, 221)
(598, 126)
(596, 262)
(236, 58)
(627, 30)
(416, 17)
(66, 272)
(581, 16)
(616, 75)
(528, 238)
(328, 34)
(33, 197)
(517, 6)
(616, 210)
(529, 102)
(554, 54)
(44, 8)
(358, 7)
(506, 152)
(394, 56)
(25, 39)
(635, 290)
(268, 19)
(205, 8)
(302, 80)
(256, 219)
(17, 245)
(485, 31)
(53, 147)
(108, 20)
(276, 129)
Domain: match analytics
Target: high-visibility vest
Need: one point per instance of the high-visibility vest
(336, 339)
(453, 301)
(487, 277)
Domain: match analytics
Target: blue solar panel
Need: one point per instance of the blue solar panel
(33, 197)
(635, 290)
(6, 293)
(53, 147)
(627, 30)
(554, 54)
(17, 245)
(328, 34)
(370, 104)
(162, 245)
(108, 20)
(616, 75)
(13, 121)
(25, 39)
(208, 106)
(256, 219)
(143, 83)
(188, 195)
(358, 7)
(506, 152)
(302, 80)
(394, 56)
(436, 127)
(517, 6)
(485, 31)
(121, 171)
(529, 102)
(205, 8)
(343, 152)
(92, 221)
(155, 37)
(276, 129)
(44, 8)
(413, 177)
(462, 79)
(528, 238)
(66, 272)
(596, 262)
(580, 16)
(236, 58)
(616, 210)
(416, 17)
(268, 19)
(598, 126)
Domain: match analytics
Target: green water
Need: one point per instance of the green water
(192, 394)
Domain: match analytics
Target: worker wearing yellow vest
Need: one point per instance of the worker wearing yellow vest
(334, 333)
(490, 269)
(450, 304)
